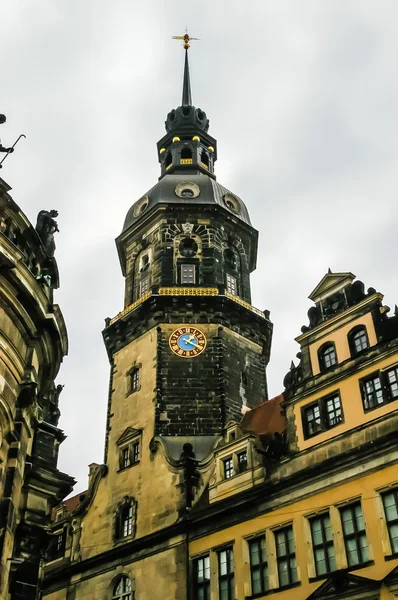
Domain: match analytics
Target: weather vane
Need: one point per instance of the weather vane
(186, 39)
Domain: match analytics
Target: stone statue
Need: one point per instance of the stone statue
(2, 148)
(52, 412)
(46, 226)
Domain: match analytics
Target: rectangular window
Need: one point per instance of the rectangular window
(136, 452)
(333, 411)
(231, 284)
(242, 461)
(127, 521)
(187, 274)
(201, 575)
(322, 415)
(134, 379)
(144, 286)
(286, 556)
(228, 468)
(372, 392)
(226, 579)
(392, 379)
(258, 565)
(355, 540)
(312, 420)
(322, 544)
(125, 458)
(390, 502)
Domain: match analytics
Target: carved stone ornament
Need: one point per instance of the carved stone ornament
(141, 206)
(187, 228)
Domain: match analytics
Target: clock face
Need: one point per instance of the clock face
(187, 342)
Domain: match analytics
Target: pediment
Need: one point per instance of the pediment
(129, 434)
(331, 283)
(344, 585)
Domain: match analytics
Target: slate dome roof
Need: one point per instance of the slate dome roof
(199, 189)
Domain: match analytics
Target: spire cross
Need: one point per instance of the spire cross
(186, 39)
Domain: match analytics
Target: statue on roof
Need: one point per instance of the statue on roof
(46, 226)
(2, 148)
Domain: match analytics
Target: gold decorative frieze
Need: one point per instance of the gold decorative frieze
(185, 291)
(202, 164)
(245, 304)
(186, 161)
(131, 307)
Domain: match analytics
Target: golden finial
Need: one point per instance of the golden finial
(186, 39)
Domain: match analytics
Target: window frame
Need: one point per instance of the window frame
(356, 535)
(231, 470)
(135, 379)
(387, 384)
(321, 356)
(125, 594)
(351, 341)
(184, 265)
(261, 566)
(362, 384)
(325, 545)
(393, 522)
(229, 576)
(324, 414)
(205, 583)
(144, 285)
(242, 462)
(231, 284)
(289, 556)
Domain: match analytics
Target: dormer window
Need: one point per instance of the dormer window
(327, 356)
(358, 340)
(242, 461)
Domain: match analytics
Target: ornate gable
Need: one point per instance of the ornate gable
(129, 434)
(343, 585)
(331, 283)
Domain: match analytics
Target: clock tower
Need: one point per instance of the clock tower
(188, 351)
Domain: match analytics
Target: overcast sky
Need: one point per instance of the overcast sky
(302, 98)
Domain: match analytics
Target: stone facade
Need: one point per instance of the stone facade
(33, 342)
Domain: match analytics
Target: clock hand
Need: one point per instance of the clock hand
(192, 343)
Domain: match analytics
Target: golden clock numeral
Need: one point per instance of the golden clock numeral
(174, 347)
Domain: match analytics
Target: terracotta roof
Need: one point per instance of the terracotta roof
(266, 418)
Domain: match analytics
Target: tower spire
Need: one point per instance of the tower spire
(186, 86)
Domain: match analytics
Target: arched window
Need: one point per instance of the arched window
(204, 157)
(168, 161)
(186, 153)
(188, 248)
(327, 356)
(123, 590)
(126, 519)
(358, 340)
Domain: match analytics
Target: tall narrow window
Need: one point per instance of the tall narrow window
(258, 565)
(125, 458)
(358, 340)
(333, 413)
(144, 286)
(242, 461)
(127, 521)
(134, 379)
(201, 574)
(231, 284)
(390, 502)
(226, 579)
(187, 273)
(327, 356)
(286, 556)
(228, 468)
(322, 543)
(123, 590)
(136, 452)
(392, 379)
(372, 392)
(355, 540)
(312, 420)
